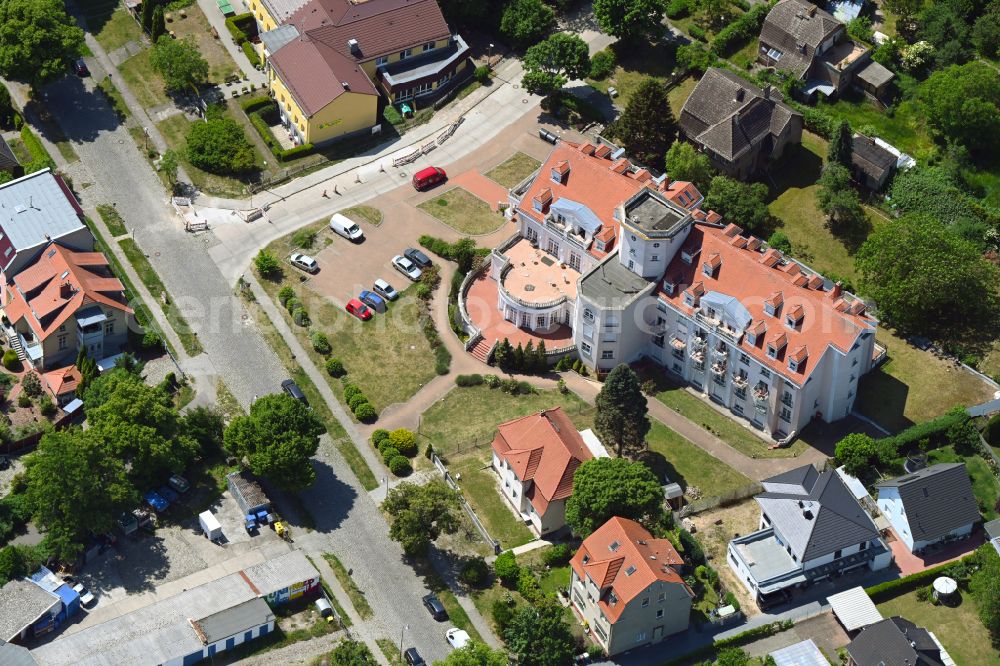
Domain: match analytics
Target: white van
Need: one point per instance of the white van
(345, 227)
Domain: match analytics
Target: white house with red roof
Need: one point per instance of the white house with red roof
(627, 587)
(535, 457)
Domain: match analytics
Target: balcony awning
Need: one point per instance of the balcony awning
(90, 317)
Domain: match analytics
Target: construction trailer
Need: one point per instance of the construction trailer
(250, 498)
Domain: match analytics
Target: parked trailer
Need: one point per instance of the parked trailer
(248, 494)
(210, 525)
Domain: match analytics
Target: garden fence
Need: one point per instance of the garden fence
(465, 505)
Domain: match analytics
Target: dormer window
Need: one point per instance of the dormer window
(772, 351)
(559, 172)
(775, 346)
(751, 337)
(669, 287)
(612, 598)
(793, 365)
(687, 256)
(793, 318)
(586, 558)
(773, 304)
(711, 264)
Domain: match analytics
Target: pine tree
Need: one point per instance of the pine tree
(622, 420)
(541, 362)
(517, 364)
(529, 359)
(841, 146)
(147, 15)
(159, 26)
(647, 127)
(502, 354)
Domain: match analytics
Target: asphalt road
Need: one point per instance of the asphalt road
(349, 522)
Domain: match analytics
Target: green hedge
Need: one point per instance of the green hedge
(256, 103)
(294, 153)
(40, 158)
(283, 154)
(894, 588)
(748, 636)
(236, 31)
(933, 430)
(251, 54)
(746, 27)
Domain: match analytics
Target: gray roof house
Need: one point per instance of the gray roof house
(811, 528)
(872, 164)
(800, 38)
(739, 126)
(894, 642)
(22, 603)
(931, 505)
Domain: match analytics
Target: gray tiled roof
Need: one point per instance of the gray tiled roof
(232, 621)
(797, 28)
(818, 517)
(936, 499)
(894, 642)
(729, 115)
(870, 157)
(21, 604)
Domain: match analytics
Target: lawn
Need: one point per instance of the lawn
(479, 485)
(364, 214)
(175, 130)
(196, 25)
(675, 457)
(677, 398)
(112, 220)
(958, 628)
(905, 128)
(680, 93)
(467, 417)
(354, 593)
(144, 81)
(112, 26)
(914, 386)
(463, 211)
(188, 338)
(513, 170)
(636, 62)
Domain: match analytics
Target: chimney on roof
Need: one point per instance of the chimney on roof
(347, 86)
(838, 288)
(65, 290)
(812, 10)
(352, 44)
(739, 94)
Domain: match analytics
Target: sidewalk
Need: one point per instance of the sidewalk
(218, 21)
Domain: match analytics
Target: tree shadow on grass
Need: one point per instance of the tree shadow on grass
(663, 468)
(882, 398)
(798, 168)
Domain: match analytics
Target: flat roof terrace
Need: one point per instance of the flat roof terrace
(764, 556)
(537, 277)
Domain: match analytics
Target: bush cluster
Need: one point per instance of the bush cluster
(527, 585)
(558, 555)
(697, 32)
(602, 63)
(678, 9)
(741, 30)
(320, 343)
(893, 588)
(10, 360)
(691, 547)
(475, 572)
(260, 124)
(359, 404)
(527, 359)
(506, 567)
(469, 380)
(574, 364)
(405, 441)
(220, 146)
(335, 367)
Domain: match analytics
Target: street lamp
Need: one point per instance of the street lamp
(145, 140)
(489, 56)
(401, 632)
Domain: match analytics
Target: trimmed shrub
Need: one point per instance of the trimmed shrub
(356, 400)
(301, 317)
(320, 343)
(400, 466)
(934, 430)
(350, 390)
(482, 74)
(285, 294)
(506, 567)
(388, 451)
(295, 152)
(894, 588)
(404, 440)
(293, 303)
(335, 367)
(557, 555)
(391, 115)
(992, 431)
(46, 406)
(602, 64)
(468, 380)
(527, 585)
(492, 381)
(151, 340)
(10, 360)
(475, 572)
(251, 54)
(698, 33)
(678, 9)
(740, 31)
(379, 436)
(442, 359)
(235, 30)
(23, 399)
(365, 413)
(256, 103)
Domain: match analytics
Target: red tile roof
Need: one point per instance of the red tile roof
(755, 279)
(628, 568)
(544, 448)
(590, 181)
(315, 74)
(62, 381)
(58, 284)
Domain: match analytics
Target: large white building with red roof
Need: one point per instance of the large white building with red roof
(627, 587)
(618, 265)
(535, 457)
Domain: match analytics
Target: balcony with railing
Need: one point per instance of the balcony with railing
(719, 327)
(567, 231)
(760, 396)
(678, 342)
(741, 381)
(719, 368)
(721, 351)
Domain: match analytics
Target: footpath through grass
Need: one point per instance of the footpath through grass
(357, 597)
(189, 339)
(463, 211)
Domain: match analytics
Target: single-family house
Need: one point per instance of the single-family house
(894, 642)
(871, 163)
(329, 61)
(811, 528)
(536, 457)
(741, 127)
(64, 301)
(627, 586)
(812, 45)
(931, 505)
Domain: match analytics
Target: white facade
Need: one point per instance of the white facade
(891, 506)
(223, 645)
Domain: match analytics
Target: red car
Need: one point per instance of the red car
(359, 309)
(429, 177)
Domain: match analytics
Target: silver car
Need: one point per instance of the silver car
(304, 262)
(385, 290)
(406, 267)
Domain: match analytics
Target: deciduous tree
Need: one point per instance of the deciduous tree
(622, 420)
(76, 487)
(38, 41)
(742, 203)
(684, 162)
(420, 514)
(277, 438)
(179, 63)
(221, 146)
(647, 127)
(607, 487)
(839, 200)
(475, 654)
(963, 104)
(540, 636)
(626, 19)
(985, 586)
(926, 279)
(986, 31)
(266, 264)
(525, 22)
(554, 61)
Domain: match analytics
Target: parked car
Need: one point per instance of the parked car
(359, 309)
(304, 262)
(413, 657)
(156, 501)
(406, 267)
(346, 227)
(86, 596)
(5, 461)
(80, 67)
(167, 493)
(429, 177)
(417, 257)
(292, 389)
(457, 638)
(178, 483)
(385, 290)
(435, 607)
(372, 300)
(548, 136)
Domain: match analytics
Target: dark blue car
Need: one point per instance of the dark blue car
(168, 494)
(156, 501)
(372, 300)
